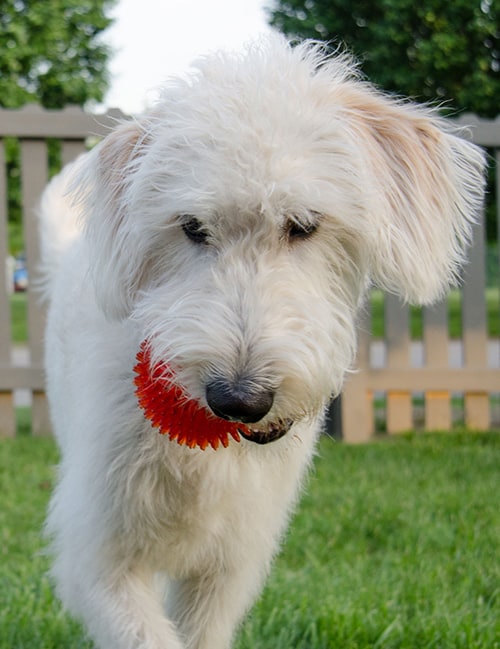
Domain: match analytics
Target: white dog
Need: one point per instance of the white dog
(235, 228)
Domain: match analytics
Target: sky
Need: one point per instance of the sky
(155, 39)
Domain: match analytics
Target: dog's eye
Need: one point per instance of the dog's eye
(193, 229)
(297, 230)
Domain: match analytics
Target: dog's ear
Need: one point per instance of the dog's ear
(425, 192)
(117, 265)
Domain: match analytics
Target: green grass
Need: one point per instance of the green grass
(23, 420)
(29, 615)
(395, 545)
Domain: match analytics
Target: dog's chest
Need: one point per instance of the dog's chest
(185, 512)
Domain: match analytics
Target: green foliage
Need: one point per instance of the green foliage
(449, 51)
(395, 545)
(51, 52)
(30, 615)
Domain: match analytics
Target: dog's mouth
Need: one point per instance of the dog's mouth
(272, 432)
(185, 420)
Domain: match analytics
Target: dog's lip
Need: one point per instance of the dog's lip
(270, 433)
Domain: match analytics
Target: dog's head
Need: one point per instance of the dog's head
(240, 222)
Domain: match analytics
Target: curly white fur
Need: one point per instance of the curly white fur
(307, 184)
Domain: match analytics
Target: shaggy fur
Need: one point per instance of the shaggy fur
(236, 227)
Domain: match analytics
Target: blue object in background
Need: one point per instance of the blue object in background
(20, 278)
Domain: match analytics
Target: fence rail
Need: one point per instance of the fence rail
(394, 381)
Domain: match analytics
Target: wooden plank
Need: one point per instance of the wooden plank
(474, 303)
(34, 176)
(480, 131)
(497, 184)
(437, 403)
(14, 377)
(477, 410)
(399, 411)
(476, 402)
(397, 336)
(435, 335)
(5, 328)
(71, 150)
(7, 414)
(357, 401)
(420, 379)
(71, 123)
(357, 411)
(437, 410)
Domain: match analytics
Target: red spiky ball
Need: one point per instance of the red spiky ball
(172, 413)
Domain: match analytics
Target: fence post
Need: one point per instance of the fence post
(477, 411)
(436, 340)
(399, 402)
(7, 413)
(357, 400)
(34, 175)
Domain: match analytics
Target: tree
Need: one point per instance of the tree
(429, 50)
(51, 52)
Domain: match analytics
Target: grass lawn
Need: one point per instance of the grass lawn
(395, 545)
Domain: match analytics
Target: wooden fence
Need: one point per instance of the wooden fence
(33, 127)
(445, 371)
(387, 374)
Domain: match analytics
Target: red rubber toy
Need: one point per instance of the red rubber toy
(172, 413)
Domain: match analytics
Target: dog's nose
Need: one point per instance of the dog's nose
(235, 403)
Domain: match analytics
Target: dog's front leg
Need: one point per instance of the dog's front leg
(122, 610)
(208, 608)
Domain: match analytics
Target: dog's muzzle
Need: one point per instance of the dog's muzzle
(245, 405)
